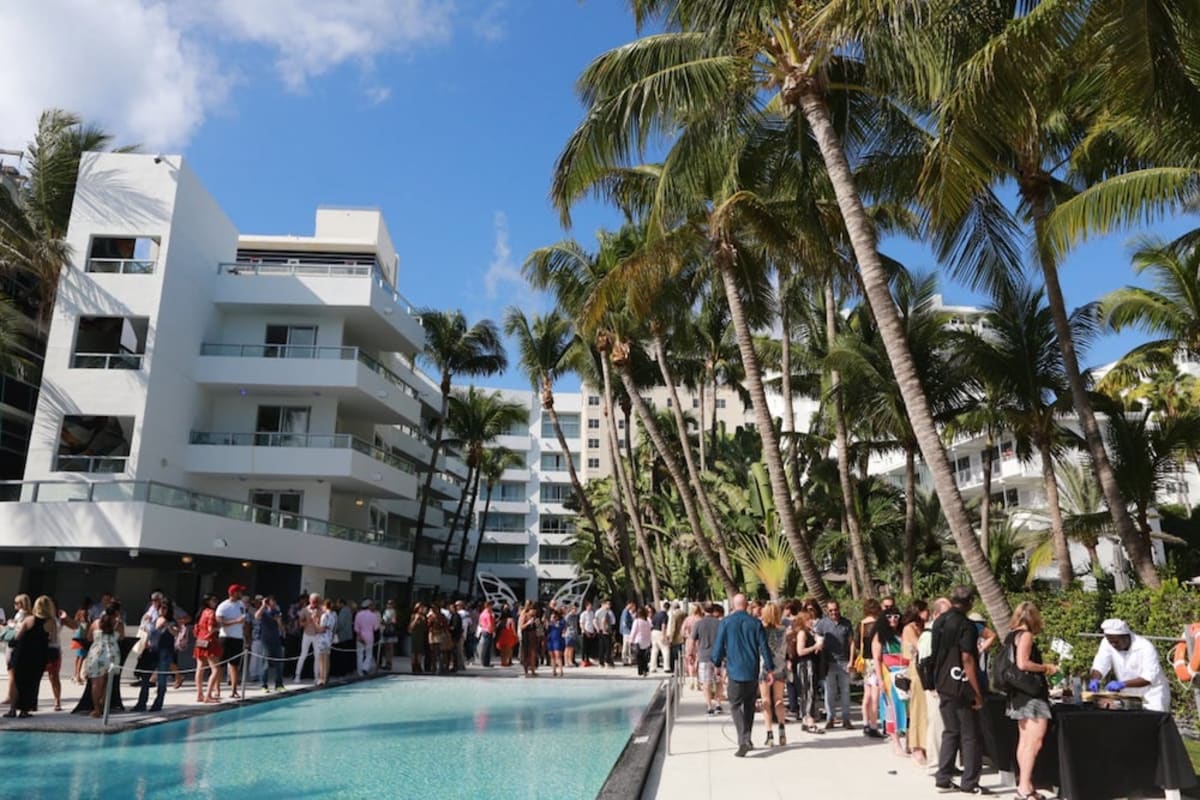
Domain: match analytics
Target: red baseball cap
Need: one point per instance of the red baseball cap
(236, 587)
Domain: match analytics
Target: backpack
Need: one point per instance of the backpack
(927, 670)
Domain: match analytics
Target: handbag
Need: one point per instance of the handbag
(202, 644)
(903, 683)
(1009, 677)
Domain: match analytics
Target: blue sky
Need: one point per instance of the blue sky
(446, 115)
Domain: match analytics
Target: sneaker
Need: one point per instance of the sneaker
(719, 710)
(828, 724)
(712, 712)
(946, 788)
(267, 689)
(742, 750)
(976, 790)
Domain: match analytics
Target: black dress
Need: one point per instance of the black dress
(29, 662)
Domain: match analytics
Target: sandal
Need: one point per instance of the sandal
(1031, 796)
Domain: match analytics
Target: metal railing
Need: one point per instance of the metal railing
(104, 464)
(320, 271)
(106, 361)
(674, 691)
(121, 266)
(306, 351)
(161, 494)
(336, 441)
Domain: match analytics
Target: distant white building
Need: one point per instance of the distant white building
(219, 407)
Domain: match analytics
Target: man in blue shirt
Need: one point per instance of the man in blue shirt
(742, 644)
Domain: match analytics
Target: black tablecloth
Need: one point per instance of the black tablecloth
(1092, 754)
(85, 706)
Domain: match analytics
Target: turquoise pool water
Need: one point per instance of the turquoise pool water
(392, 738)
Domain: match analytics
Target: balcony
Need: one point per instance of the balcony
(364, 387)
(375, 311)
(95, 464)
(106, 361)
(157, 516)
(121, 266)
(446, 486)
(347, 462)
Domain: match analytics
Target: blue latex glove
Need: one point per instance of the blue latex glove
(1115, 686)
(1094, 685)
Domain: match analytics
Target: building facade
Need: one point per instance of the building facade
(220, 407)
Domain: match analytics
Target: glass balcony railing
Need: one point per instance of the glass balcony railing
(161, 494)
(317, 270)
(121, 266)
(102, 464)
(310, 352)
(336, 441)
(106, 361)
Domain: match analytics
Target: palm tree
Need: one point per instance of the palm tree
(492, 464)
(33, 222)
(1170, 311)
(476, 419)
(1020, 353)
(545, 345)
(453, 348)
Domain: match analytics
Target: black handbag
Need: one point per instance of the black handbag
(1008, 678)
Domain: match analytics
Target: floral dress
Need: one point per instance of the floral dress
(104, 652)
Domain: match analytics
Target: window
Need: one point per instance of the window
(110, 343)
(94, 444)
(593, 463)
(490, 553)
(593, 444)
(125, 255)
(282, 426)
(556, 462)
(593, 400)
(1007, 450)
(516, 429)
(593, 424)
(554, 523)
(555, 492)
(568, 422)
(506, 523)
(620, 424)
(291, 341)
(670, 403)
(1012, 498)
(750, 426)
(554, 554)
(720, 402)
(695, 402)
(276, 508)
(509, 492)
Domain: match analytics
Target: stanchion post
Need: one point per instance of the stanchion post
(242, 674)
(108, 692)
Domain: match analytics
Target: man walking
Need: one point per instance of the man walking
(838, 649)
(960, 698)
(487, 634)
(308, 619)
(704, 632)
(604, 628)
(366, 629)
(742, 644)
(587, 626)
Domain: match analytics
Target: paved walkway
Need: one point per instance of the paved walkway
(837, 763)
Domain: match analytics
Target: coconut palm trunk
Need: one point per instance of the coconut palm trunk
(1137, 544)
(789, 412)
(801, 551)
(706, 509)
(1062, 551)
(472, 477)
(462, 548)
(629, 483)
(589, 511)
(910, 521)
(845, 480)
(438, 431)
(618, 483)
(685, 493)
(487, 506)
(700, 428)
(985, 509)
(874, 278)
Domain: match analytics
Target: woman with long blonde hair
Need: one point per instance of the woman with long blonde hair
(773, 707)
(30, 651)
(1030, 710)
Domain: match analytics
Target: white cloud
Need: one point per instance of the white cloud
(148, 70)
(502, 269)
(489, 25)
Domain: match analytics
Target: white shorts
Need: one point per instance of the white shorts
(707, 673)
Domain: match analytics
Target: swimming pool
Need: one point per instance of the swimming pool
(389, 738)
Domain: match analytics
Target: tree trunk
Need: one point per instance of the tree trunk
(700, 428)
(1094, 558)
(713, 441)
(910, 520)
(785, 386)
(857, 546)
(487, 506)
(1062, 551)
(766, 429)
(985, 510)
(706, 509)
(629, 478)
(1137, 545)
(588, 510)
(685, 493)
(617, 484)
(472, 473)
(875, 284)
(427, 489)
(462, 550)
(851, 568)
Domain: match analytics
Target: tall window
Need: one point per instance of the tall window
(557, 462)
(290, 341)
(556, 523)
(94, 444)
(569, 423)
(720, 402)
(276, 508)
(593, 444)
(555, 492)
(282, 426)
(110, 343)
(508, 491)
(593, 463)
(506, 523)
(554, 554)
(125, 255)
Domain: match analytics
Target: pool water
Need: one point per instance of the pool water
(391, 738)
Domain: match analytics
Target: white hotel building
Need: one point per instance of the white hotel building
(220, 407)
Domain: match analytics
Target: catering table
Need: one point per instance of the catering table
(1093, 754)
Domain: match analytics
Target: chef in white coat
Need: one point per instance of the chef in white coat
(1134, 665)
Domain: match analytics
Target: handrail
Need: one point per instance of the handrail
(308, 351)
(337, 441)
(162, 494)
(107, 361)
(121, 266)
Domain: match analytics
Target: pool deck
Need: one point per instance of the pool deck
(838, 763)
(181, 703)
